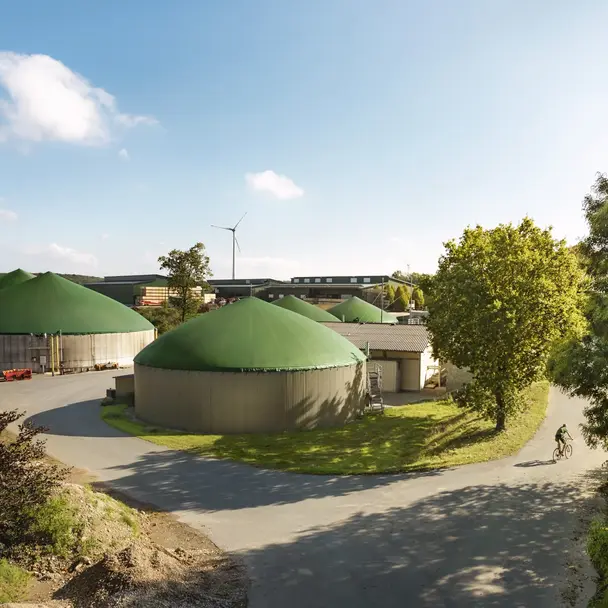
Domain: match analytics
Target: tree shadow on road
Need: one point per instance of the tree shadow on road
(184, 481)
(490, 546)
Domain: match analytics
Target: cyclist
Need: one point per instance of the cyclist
(560, 435)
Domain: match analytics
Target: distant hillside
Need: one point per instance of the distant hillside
(75, 278)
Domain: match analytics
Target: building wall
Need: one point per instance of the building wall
(78, 352)
(249, 402)
(121, 292)
(412, 370)
(390, 370)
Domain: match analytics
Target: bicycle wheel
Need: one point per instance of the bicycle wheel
(568, 450)
(556, 454)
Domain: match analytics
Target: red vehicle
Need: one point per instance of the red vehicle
(17, 374)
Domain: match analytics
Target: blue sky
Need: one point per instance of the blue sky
(358, 136)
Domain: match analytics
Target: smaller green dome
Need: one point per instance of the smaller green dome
(15, 277)
(356, 310)
(305, 309)
(250, 335)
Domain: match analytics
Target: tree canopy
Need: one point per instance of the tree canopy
(186, 270)
(579, 365)
(501, 297)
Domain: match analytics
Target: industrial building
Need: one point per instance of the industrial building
(355, 310)
(305, 308)
(15, 277)
(48, 322)
(241, 288)
(139, 290)
(249, 367)
(403, 352)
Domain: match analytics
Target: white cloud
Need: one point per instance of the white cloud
(124, 154)
(59, 252)
(45, 100)
(280, 186)
(105, 236)
(6, 215)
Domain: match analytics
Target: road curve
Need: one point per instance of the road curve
(487, 534)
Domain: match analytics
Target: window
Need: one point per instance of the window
(353, 279)
(271, 296)
(306, 280)
(296, 280)
(367, 280)
(281, 296)
(317, 280)
(328, 280)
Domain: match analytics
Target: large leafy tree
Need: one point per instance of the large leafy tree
(501, 298)
(580, 365)
(186, 269)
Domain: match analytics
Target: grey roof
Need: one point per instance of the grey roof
(403, 338)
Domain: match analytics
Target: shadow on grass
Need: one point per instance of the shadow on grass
(498, 545)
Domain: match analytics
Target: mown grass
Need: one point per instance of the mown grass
(422, 436)
(13, 582)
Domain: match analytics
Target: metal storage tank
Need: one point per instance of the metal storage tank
(16, 277)
(249, 367)
(356, 310)
(49, 318)
(306, 309)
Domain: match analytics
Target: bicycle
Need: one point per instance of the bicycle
(565, 453)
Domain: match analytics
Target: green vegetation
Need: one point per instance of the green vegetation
(164, 318)
(501, 298)
(579, 365)
(13, 582)
(597, 548)
(187, 269)
(422, 436)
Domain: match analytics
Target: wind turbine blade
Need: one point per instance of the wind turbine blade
(237, 224)
(237, 243)
(220, 227)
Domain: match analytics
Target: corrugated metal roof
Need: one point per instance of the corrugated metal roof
(404, 338)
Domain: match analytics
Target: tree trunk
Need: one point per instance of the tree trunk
(501, 414)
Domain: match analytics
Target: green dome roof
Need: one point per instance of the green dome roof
(355, 310)
(15, 278)
(50, 304)
(304, 308)
(250, 335)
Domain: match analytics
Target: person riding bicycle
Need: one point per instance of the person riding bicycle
(560, 438)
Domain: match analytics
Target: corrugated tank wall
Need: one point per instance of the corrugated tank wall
(249, 402)
(78, 352)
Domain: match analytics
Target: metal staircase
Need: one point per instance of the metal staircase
(375, 402)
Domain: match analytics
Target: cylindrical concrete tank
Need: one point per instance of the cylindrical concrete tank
(88, 328)
(249, 367)
(305, 309)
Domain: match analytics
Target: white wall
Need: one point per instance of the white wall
(390, 374)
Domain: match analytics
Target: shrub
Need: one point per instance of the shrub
(13, 582)
(27, 481)
(597, 548)
(55, 527)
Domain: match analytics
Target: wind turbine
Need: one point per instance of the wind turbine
(235, 242)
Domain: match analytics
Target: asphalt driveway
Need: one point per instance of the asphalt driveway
(489, 534)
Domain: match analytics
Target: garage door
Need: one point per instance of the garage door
(390, 374)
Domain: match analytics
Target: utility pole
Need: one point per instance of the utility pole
(409, 298)
(382, 302)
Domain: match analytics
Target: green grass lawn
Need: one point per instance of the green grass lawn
(422, 436)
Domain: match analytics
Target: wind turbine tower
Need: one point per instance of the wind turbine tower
(235, 242)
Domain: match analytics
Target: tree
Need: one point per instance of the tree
(390, 294)
(501, 298)
(187, 269)
(27, 481)
(402, 298)
(579, 365)
(418, 298)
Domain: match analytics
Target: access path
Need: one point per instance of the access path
(488, 534)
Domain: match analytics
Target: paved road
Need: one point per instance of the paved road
(484, 535)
